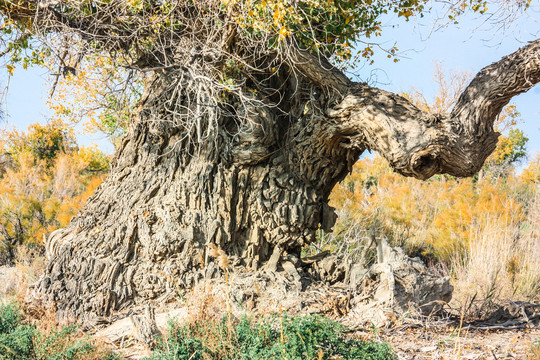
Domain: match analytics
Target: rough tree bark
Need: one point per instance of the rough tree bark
(166, 217)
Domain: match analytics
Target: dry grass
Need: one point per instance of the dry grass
(19, 280)
(206, 303)
(483, 233)
(502, 262)
(535, 351)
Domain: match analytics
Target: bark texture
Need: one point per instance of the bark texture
(174, 211)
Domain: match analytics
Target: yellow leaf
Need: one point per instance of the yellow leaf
(283, 32)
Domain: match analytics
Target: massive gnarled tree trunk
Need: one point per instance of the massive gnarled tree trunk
(173, 211)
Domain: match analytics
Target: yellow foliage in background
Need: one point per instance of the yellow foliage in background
(437, 214)
(445, 219)
(531, 174)
(45, 180)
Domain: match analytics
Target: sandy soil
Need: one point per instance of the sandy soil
(450, 344)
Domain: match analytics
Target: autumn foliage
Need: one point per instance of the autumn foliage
(45, 178)
(483, 232)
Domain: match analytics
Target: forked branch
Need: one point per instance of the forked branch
(420, 144)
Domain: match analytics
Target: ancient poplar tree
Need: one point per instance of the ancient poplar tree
(245, 126)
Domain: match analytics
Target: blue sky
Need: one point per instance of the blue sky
(463, 47)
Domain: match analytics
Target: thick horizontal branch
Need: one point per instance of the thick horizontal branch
(420, 144)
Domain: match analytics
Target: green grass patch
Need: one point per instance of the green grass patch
(291, 338)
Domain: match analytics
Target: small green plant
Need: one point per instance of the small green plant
(302, 337)
(20, 341)
(375, 330)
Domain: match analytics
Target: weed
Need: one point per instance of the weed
(375, 330)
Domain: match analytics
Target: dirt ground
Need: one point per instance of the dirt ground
(437, 342)
(448, 343)
(433, 344)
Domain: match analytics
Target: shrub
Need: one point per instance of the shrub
(302, 337)
(20, 341)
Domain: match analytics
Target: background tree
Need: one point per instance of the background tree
(46, 181)
(243, 129)
(481, 232)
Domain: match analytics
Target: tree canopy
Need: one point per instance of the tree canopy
(146, 28)
(248, 52)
